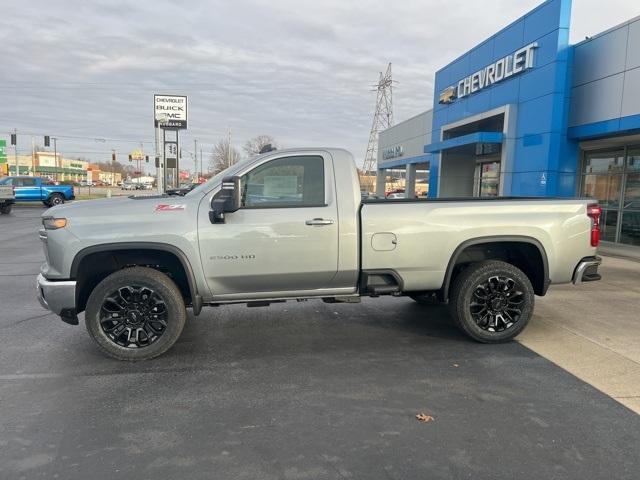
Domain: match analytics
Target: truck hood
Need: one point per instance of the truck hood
(120, 206)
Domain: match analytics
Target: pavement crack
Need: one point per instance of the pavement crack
(18, 322)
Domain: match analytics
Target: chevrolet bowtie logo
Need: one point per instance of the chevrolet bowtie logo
(448, 95)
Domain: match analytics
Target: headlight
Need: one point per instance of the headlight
(51, 223)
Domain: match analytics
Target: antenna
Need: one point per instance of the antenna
(382, 119)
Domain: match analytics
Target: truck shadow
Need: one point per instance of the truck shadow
(236, 332)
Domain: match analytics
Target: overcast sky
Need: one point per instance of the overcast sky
(298, 70)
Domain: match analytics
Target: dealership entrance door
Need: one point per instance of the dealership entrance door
(488, 178)
(471, 157)
(470, 171)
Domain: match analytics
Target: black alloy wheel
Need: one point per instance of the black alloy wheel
(133, 316)
(496, 304)
(491, 301)
(136, 313)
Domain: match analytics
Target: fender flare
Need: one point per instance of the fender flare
(495, 239)
(196, 298)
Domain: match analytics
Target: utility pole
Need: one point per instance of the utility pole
(195, 156)
(113, 167)
(15, 151)
(229, 147)
(33, 157)
(55, 155)
(382, 119)
(201, 172)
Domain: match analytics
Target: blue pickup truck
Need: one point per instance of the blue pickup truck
(35, 189)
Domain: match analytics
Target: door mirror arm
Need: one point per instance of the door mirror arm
(227, 200)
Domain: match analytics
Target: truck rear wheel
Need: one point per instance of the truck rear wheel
(492, 301)
(6, 209)
(55, 199)
(135, 314)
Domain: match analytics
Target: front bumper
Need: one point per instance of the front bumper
(587, 270)
(57, 296)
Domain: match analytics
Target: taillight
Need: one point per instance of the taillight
(594, 211)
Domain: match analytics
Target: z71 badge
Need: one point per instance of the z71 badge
(170, 208)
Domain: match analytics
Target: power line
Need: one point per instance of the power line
(78, 137)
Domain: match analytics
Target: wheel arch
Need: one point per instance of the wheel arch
(537, 269)
(110, 257)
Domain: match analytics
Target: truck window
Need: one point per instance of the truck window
(28, 182)
(285, 182)
(6, 181)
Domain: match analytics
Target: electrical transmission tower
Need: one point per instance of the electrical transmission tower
(382, 119)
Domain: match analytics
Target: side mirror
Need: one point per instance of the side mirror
(227, 200)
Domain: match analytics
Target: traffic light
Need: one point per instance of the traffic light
(47, 141)
(113, 157)
(146, 158)
(14, 139)
(130, 158)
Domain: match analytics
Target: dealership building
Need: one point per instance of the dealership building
(526, 113)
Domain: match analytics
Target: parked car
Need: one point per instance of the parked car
(182, 189)
(7, 198)
(392, 196)
(129, 186)
(305, 233)
(35, 189)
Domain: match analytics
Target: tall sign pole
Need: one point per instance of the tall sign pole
(169, 114)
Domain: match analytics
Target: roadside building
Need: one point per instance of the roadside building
(526, 113)
(95, 173)
(46, 164)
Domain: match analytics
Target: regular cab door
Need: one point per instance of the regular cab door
(285, 235)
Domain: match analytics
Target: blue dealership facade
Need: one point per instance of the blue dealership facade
(525, 113)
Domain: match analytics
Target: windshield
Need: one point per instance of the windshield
(217, 179)
(5, 181)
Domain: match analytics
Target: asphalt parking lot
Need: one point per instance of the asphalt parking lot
(294, 391)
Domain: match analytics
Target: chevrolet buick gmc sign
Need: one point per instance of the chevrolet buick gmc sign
(170, 111)
(499, 70)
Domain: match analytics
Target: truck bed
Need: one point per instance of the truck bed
(417, 238)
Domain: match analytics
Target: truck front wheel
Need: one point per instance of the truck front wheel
(135, 314)
(492, 301)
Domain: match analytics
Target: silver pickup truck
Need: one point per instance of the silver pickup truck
(291, 225)
(7, 199)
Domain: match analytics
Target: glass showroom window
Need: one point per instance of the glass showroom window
(630, 223)
(613, 177)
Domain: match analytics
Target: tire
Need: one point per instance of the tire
(424, 299)
(6, 209)
(491, 301)
(55, 199)
(153, 336)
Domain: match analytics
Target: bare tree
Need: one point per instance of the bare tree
(252, 147)
(223, 156)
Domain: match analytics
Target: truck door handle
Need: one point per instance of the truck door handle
(319, 222)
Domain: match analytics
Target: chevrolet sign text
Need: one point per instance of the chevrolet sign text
(500, 70)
